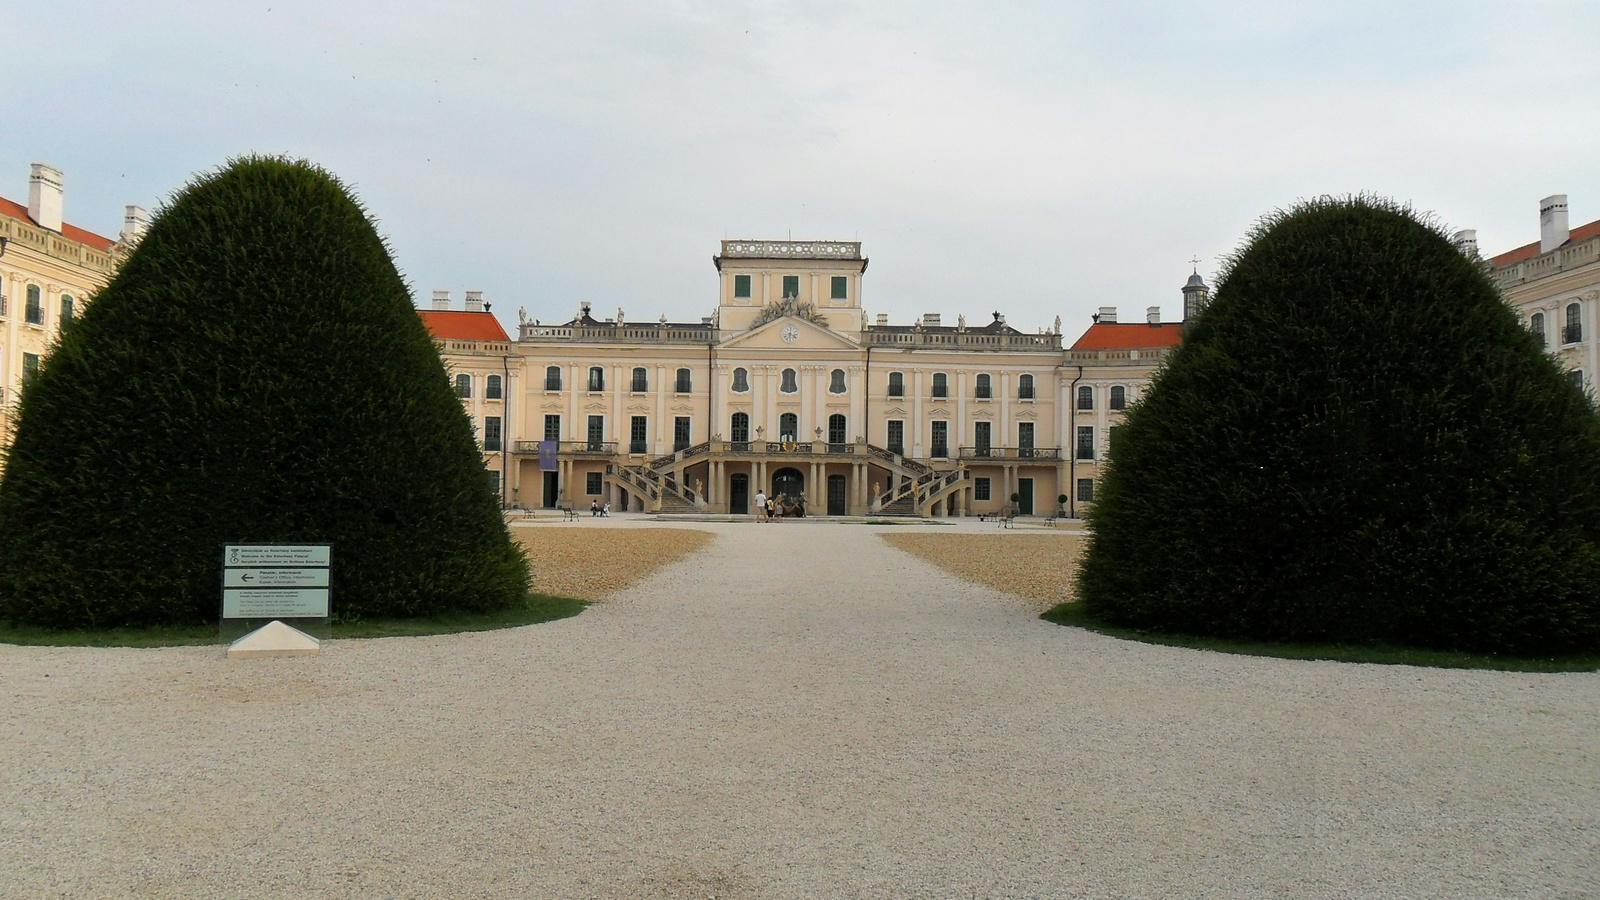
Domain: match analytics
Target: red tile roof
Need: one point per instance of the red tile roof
(458, 325)
(68, 231)
(1130, 336)
(1529, 251)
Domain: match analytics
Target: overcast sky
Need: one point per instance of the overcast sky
(1037, 159)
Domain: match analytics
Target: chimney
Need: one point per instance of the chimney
(134, 223)
(44, 197)
(930, 320)
(883, 320)
(1552, 222)
(1108, 315)
(1466, 241)
(1152, 315)
(474, 301)
(441, 299)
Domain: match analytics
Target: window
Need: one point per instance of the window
(641, 381)
(741, 381)
(491, 388)
(1085, 490)
(1536, 325)
(680, 433)
(941, 385)
(685, 382)
(552, 428)
(836, 381)
(552, 378)
(30, 365)
(1025, 387)
(836, 429)
(941, 440)
(981, 388)
(741, 428)
(491, 432)
(741, 286)
(1111, 437)
(897, 384)
(897, 436)
(597, 431)
(638, 435)
(1025, 439)
(66, 308)
(841, 288)
(788, 427)
(791, 285)
(2, 296)
(463, 385)
(980, 488)
(1575, 376)
(1086, 397)
(981, 438)
(494, 481)
(1085, 442)
(789, 384)
(591, 484)
(1119, 397)
(35, 311)
(1571, 334)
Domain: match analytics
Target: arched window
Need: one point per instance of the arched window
(941, 385)
(1536, 325)
(641, 380)
(685, 382)
(836, 381)
(741, 427)
(897, 384)
(1024, 387)
(1119, 397)
(35, 310)
(1086, 397)
(67, 309)
(741, 381)
(597, 378)
(552, 378)
(788, 427)
(789, 384)
(1573, 333)
(981, 388)
(836, 429)
(491, 388)
(463, 385)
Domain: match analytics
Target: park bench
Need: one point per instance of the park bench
(568, 514)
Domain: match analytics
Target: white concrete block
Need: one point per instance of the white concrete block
(274, 639)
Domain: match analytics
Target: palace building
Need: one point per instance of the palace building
(49, 268)
(789, 389)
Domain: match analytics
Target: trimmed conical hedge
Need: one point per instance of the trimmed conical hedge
(1357, 442)
(254, 373)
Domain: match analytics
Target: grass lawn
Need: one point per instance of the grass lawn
(1076, 615)
(539, 608)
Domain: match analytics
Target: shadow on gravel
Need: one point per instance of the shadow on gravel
(1075, 615)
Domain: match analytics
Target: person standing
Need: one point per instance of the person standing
(761, 505)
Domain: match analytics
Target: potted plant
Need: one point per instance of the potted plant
(1061, 506)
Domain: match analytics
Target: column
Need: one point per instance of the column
(808, 404)
(960, 436)
(919, 425)
(1005, 438)
(663, 429)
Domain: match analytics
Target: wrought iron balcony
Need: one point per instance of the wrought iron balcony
(573, 448)
(1042, 453)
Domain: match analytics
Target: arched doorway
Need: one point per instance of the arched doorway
(789, 482)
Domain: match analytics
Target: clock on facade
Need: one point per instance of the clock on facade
(790, 334)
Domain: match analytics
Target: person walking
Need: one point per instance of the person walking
(761, 505)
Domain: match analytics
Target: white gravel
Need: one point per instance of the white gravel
(756, 722)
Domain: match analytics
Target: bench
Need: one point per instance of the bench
(568, 514)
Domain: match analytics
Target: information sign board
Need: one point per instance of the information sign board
(275, 581)
(274, 603)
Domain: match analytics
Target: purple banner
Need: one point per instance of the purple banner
(547, 456)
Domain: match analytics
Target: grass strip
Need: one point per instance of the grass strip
(538, 608)
(1077, 615)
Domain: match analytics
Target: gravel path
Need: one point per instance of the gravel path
(795, 711)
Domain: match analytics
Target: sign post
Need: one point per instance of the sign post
(263, 584)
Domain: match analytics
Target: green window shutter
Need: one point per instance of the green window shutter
(841, 286)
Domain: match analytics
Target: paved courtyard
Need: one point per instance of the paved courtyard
(796, 710)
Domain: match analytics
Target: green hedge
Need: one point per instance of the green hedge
(1357, 442)
(254, 373)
